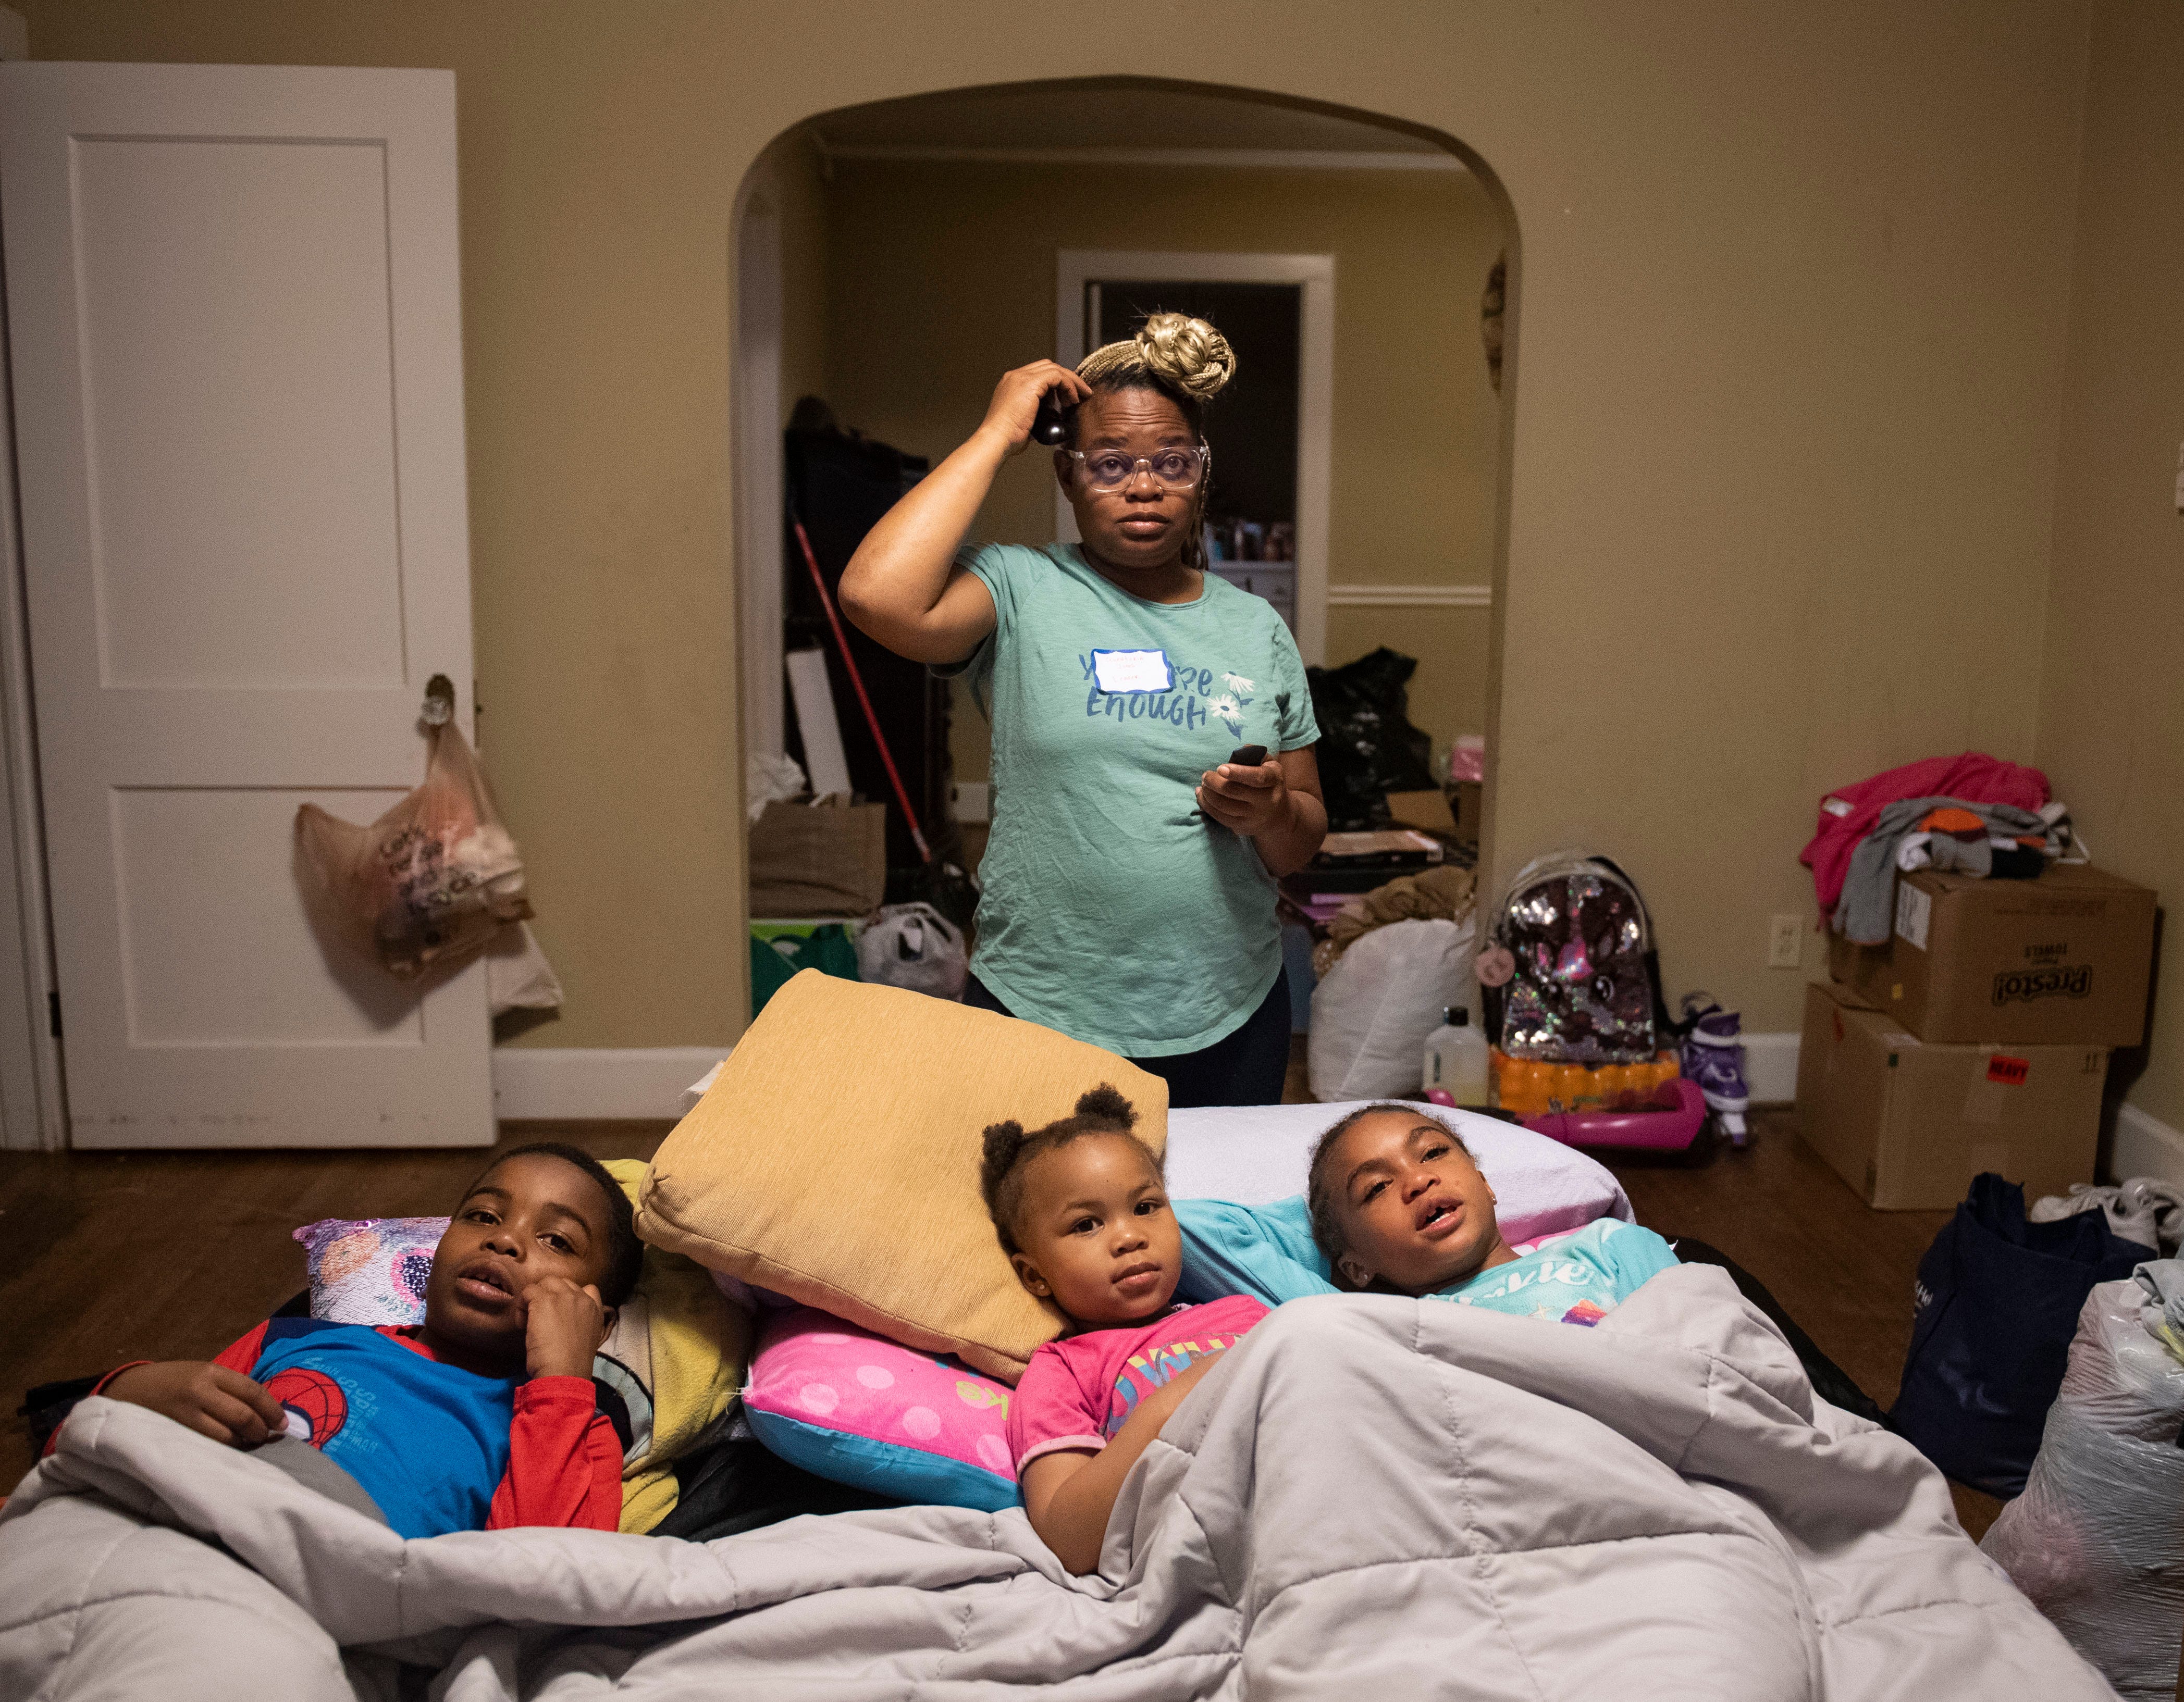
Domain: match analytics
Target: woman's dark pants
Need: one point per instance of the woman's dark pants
(1245, 1068)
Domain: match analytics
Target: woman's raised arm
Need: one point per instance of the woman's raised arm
(902, 588)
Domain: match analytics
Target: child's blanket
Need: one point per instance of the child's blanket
(1369, 1497)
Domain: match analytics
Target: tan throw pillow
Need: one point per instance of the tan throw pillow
(836, 1161)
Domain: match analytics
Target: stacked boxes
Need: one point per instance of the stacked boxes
(1977, 1038)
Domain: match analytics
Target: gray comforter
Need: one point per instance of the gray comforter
(1370, 1498)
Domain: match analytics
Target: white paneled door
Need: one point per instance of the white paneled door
(234, 328)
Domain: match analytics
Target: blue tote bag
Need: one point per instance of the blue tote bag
(1997, 1304)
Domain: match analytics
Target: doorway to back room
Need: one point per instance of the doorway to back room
(1266, 519)
(897, 260)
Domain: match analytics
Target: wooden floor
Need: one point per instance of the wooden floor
(110, 1256)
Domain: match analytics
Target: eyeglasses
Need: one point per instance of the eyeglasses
(1110, 469)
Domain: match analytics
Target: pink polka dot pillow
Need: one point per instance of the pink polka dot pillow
(370, 1270)
(855, 1408)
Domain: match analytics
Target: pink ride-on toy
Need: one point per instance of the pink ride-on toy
(1654, 1128)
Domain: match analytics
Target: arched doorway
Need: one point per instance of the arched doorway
(894, 259)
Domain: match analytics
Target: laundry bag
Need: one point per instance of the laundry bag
(2097, 1539)
(1372, 1013)
(1996, 1304)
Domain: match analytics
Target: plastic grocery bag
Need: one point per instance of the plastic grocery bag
(1995, 1305)
(2097, 1539)
(914, 946)
(1371, 1015)
(435, 878)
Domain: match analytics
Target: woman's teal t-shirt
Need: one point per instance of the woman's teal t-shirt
(1113, 910)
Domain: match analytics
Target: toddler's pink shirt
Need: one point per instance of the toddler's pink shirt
(1076, 1393)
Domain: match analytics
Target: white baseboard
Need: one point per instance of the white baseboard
(2146, 1146)
(1771, 1068)
(536, 1082)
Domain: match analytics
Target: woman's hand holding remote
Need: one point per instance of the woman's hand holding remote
(1245, 800)
(1276, 805)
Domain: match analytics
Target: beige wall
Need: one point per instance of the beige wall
(1791, 301)
(792, 169)
(2112, 690)
(942, 277)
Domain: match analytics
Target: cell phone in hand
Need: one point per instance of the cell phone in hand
(1248, 756)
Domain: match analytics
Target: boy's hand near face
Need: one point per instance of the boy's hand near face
(211, 1399)
(563, 1327)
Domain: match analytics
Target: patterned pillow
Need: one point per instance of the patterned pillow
(855, 1408)
(371, 1270)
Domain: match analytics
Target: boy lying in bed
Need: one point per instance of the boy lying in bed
(1399, 1208)
(484, 1417)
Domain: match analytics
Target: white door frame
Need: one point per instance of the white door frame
(33, 1113)
(1074, 268)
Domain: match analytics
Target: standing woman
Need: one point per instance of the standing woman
(1130, 881)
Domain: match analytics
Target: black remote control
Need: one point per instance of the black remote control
(1050, 424)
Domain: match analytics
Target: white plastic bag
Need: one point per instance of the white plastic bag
(2097, 1539)
(517, 974)
(913, 946)
(1371, 1016)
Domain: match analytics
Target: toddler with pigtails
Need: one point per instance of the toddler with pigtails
(1081, 1207)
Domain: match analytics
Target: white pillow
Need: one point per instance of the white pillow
(1256, 1155)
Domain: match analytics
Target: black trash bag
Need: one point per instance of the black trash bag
(1368, 747)
(1996, 1304)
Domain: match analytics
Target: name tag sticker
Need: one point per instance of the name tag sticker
(1133, 670)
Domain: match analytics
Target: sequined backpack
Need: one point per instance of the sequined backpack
(1587, 986)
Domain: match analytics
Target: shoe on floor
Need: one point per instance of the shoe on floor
(2144, 1208)
(1712, 1055)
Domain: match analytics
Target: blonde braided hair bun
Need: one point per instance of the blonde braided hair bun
(1172, 350)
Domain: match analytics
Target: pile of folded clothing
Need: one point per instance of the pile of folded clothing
(1969, 814)
(1445, 893)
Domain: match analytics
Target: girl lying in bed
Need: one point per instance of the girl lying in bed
(1082, 1211)
(1399, 1208)
(485, 1415)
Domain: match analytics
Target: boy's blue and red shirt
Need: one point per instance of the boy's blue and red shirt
(437, 1448)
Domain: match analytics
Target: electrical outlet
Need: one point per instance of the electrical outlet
(1785, 942)
(970, 801)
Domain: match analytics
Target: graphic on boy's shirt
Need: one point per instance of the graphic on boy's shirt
(428, 1441)
(1144, 1372)
(1188, 701)
(1586, 1312)
(315, 1406)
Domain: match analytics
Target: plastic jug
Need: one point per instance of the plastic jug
(1456, 1060)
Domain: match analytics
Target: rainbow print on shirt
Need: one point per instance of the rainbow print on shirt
(1143, 1373)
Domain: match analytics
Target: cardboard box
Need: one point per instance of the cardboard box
(1908, 1123)
(2061, 960)
(818, 860)
(1468, 799)
(1427, 810)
